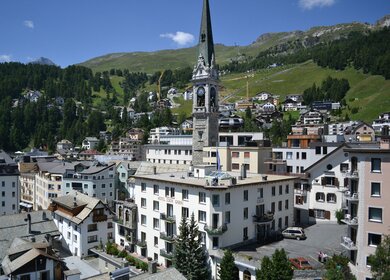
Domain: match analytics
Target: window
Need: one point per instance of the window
(184, 212)
(92, 227)
(289, 155)
(143, 220)
(143, 187)
(376, 189)
(303, 155)
(202, 197)
(245, 233)
(280, 205)
(109, 225)
(104, 186)
(215, 242)
(2, 183)
(374, 239)
(331, 198)
(318, 150)
(227, 217)
(155, 241)
(13, 194)
(143, 202)
(245, 213)
(297, 155)
(202, 237)
(246, 155)
(3, 194)
(273, 207)
(156, 223)
(273, 191)
(286, 221)
(245, 195)
(68, 234)
(184, 194)
(235, 154)
(320, 196)
(172, 192)
(155, 189)
(375, 214)
(235, 166)
(280, 223)
(74, 238)
(202, 216)
(324, 150)
(166, 191)
(156, 205)
(286, 204)
(280, 189)
(109, 235)
(215, 199)
(287, 189)
(92, 239)
(375, 165)
(260, 193)
(227, 198)
(344, 167)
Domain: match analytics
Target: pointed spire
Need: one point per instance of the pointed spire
(206, 43)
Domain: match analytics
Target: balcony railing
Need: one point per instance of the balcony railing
(216, 230)
(266, 218)
(351, 174)
(351, 196)
(141, 243)
(165, 254)
(167, 237)
(168, 218)
(300, 192)
(348, 244)
(99, 218)
(350, 221)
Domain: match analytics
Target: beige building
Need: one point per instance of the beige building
(232, 158)
(368, 216)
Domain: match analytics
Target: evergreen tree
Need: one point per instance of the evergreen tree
(227, 266)
(337, 268)
(189, 256)
(266, 270)
(281, 265)
(380, 261)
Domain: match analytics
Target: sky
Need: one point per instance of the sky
(73, 31)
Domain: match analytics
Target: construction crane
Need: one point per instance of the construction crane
(159, 85)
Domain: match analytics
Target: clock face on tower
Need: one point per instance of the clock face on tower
(200, 91)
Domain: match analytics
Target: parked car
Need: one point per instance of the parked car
(294, 233)
(300, 263)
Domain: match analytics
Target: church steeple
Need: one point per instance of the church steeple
(206, 43)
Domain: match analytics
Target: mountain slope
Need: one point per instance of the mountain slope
(178, 58)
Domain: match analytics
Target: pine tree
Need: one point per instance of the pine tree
(380, 261)
(266, 270)
(181, 248)
(227, 267)
(281, 265)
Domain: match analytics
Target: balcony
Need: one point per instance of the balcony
(165, 254)
(130, 239)
(167, 237)
(349, 220)
(351, 174)
(118, 220)
(348, 244)
(351, 196)
(262, 219)
(300, 192)
(216, 230)
(99, 218)
(141, 243)
(168, 218)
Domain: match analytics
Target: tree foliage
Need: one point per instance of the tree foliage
(276, 268)
(331, 90)
(380, 261)
(189, 255)
(337, 268)
(227, 267)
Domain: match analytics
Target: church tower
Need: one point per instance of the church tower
(205, 91)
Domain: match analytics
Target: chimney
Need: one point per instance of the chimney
(154, 170)
(28, 220)
(243, 171)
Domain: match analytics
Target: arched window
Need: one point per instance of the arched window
(331, 197)
(320, 196)
(127, 216)
(247, 275)
(120, 212)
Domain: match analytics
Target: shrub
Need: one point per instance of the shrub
(339, 215)
(122, 254)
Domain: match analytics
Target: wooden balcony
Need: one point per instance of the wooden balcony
(99, 218)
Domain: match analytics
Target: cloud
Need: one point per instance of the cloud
(28, 24)
(180, 38)
(5, 58)
(310, 4)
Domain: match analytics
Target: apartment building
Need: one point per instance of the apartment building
(83, 221)
(96, 180)
(125, 223)
(368, 215)
(10, 190)
(232, 158)
(256, 204)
